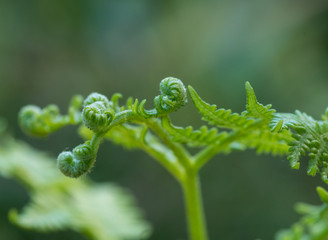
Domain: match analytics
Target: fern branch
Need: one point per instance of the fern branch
(219, 117)
(194, 138)
(310, 137)
(265, 141)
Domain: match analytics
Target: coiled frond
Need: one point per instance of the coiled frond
(97, 117)
(31, 120)
(96, 97)
(41, 122)
(173, 96)
(78, 162)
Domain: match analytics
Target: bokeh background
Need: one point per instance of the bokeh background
(50, 50)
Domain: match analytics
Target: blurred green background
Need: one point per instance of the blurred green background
(50, 50)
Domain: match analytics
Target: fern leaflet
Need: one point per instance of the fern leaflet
(219, 117)
(256, 109)
(199, 138)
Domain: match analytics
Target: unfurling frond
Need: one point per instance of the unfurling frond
(173, 96)
(219, 117)
(78, 162)
(41, 122)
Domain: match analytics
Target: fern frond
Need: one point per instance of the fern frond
(219, 117)
(188, 135)
(265, 141)
(310, 137)
(298, 147)
(282, 121)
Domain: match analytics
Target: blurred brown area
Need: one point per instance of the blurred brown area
(50, 50)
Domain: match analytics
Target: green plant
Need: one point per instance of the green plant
(57, 202)
(132, 126)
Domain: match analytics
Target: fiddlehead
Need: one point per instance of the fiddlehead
(173, 96)
(97, 117)
(79, 161)
(97, 114)
(32, 121)
(41, 122)
(96, 97)
(101, 115)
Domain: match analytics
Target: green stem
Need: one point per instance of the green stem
(182, 155)
(194, 207)
(210, 151)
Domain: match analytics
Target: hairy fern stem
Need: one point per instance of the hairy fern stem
(194, 207)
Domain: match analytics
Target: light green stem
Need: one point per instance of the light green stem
(194, 207)
(186, 174)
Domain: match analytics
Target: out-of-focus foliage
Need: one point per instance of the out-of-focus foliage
(2, 125)
(63, 47)
(41, 122)
(313, 225)
(98, 211)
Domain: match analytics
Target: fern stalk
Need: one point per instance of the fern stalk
(189, 182)
(194, 207)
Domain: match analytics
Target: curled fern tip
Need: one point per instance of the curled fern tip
(173, 96)
(78, 162)
(97, 114)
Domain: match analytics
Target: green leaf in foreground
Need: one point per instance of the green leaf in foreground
(313, 225)
(99, 211)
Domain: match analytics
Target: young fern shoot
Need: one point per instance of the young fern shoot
(258, 127)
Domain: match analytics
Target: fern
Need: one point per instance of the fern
(219, 117)
(268, 142)
(310, 137)
(313, 226)
(250, 129)
(132, 126)
(193, 138)
(99, 211)
(254, 108)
